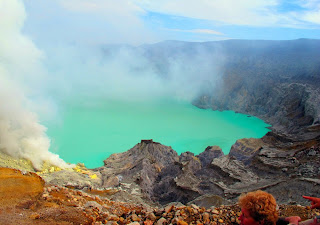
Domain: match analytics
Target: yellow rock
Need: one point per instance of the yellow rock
(94, 176)
(77, 169)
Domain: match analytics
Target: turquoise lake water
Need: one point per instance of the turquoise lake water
(89, 133)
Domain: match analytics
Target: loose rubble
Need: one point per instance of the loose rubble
(61, 205)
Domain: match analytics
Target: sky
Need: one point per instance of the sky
(139, 22)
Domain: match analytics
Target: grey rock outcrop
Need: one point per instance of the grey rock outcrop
(245, 149)
(267, 164)
(208, 201)
(156, 173)
(72, 179)
(210, 153)
(137, 169)
(151, 173)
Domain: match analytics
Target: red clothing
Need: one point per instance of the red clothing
(314, 221)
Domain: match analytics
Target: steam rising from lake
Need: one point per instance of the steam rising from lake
(36, 80)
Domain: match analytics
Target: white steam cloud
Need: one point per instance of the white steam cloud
(21, 135)
(126, 74)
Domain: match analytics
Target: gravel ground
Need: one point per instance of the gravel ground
(61, 205)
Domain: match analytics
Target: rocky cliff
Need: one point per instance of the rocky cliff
(284, 167)
(277, 81)
(151, 173)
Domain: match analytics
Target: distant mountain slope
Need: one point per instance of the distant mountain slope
(274, 80)
(278, 59)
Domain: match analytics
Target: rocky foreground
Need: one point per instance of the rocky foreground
(152, 184)
(26, 199)
(153, 174)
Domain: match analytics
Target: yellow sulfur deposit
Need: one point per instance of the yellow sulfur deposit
(77, 169)
(94, 176)
(80, 168)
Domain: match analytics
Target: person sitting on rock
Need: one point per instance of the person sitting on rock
(258, 208)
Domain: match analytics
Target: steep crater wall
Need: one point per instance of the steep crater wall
(275, 81)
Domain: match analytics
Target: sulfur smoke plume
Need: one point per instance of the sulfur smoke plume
(21, 134)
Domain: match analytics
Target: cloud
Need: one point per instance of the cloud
(126, 74)
(83, 21)
(313, 17)
(244, 12)
(104, 6)
(200, 31)
(146, 21)
(311, 13)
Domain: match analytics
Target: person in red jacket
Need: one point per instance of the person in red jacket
(260, 208)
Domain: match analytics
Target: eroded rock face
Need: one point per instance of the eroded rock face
(235, 169)
(266, 164)
(139, 167)
(155, 172)
(154, 152)
(275, 81)
(209, 154)
(278, 162)
(288, 105)
(152, 173)
(245, 149)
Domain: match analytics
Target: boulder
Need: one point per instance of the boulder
(209, 201)
(244, 149)
(210, 153)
